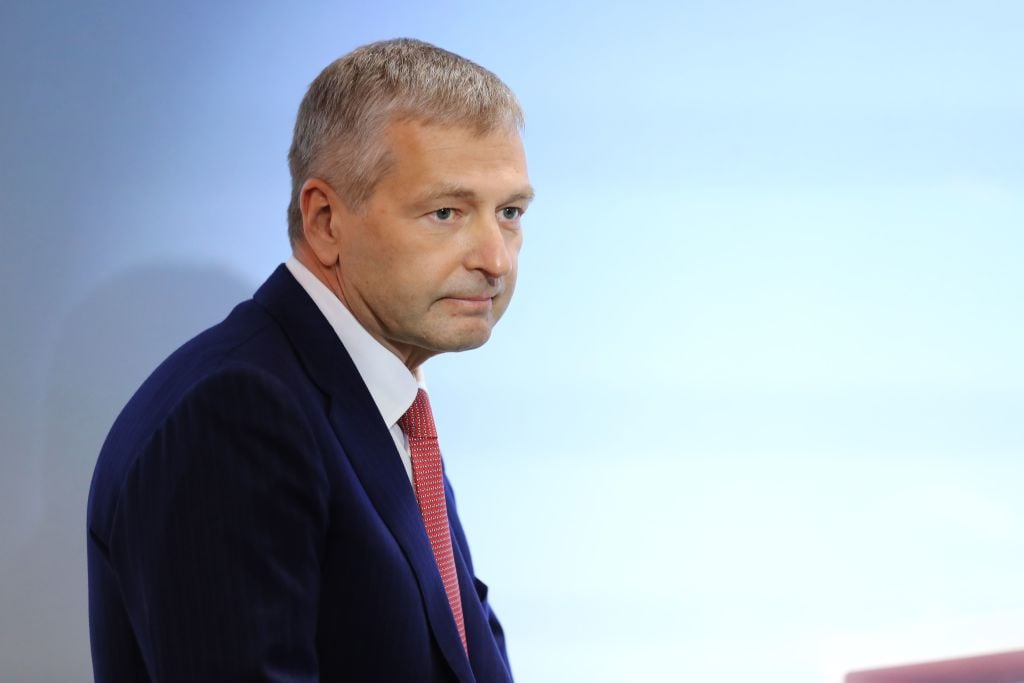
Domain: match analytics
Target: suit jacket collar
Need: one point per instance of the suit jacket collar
(368, 444)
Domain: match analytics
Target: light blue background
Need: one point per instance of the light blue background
(756, 412)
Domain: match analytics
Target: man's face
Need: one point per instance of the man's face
(429, 265)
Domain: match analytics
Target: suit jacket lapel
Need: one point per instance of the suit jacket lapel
(369, 446)
(488, 661)
(395, 501)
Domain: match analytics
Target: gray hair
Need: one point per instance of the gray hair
(339, 128)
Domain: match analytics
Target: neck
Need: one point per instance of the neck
(325, 274)
(328, 275)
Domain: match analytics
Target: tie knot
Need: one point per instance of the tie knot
(418, 421)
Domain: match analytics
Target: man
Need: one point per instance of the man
(270, 505)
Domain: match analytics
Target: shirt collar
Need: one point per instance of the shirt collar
(391, 385)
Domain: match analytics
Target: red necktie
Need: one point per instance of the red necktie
(418, 425)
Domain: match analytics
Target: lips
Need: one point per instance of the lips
(483, 297)
(475, 296)
(474, 304)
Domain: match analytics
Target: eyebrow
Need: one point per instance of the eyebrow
(453, 191)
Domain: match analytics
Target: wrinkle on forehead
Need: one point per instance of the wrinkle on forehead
(450, 190)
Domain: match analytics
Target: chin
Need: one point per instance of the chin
(466, 341)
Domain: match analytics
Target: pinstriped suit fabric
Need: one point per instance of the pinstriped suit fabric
(250, 520)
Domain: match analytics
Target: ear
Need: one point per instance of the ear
(323, 216)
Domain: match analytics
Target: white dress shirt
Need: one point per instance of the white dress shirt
(392, 385)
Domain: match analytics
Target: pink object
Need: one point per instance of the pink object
(418, 425)
(1000, 667)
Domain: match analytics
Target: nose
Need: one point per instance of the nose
(491, 249)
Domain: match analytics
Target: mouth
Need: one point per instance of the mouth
(472, 303)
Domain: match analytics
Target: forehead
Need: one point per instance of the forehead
(424, 152)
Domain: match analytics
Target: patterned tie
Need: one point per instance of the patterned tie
(418, 425)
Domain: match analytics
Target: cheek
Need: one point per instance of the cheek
(513, 253)
(515, 242)
(514, 261)
(414, 285)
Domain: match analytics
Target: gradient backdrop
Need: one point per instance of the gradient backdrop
(757, 412)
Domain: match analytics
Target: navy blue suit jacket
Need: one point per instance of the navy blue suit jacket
(250, 520)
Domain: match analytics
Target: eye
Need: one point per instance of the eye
(510, 213)
(444, 214)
